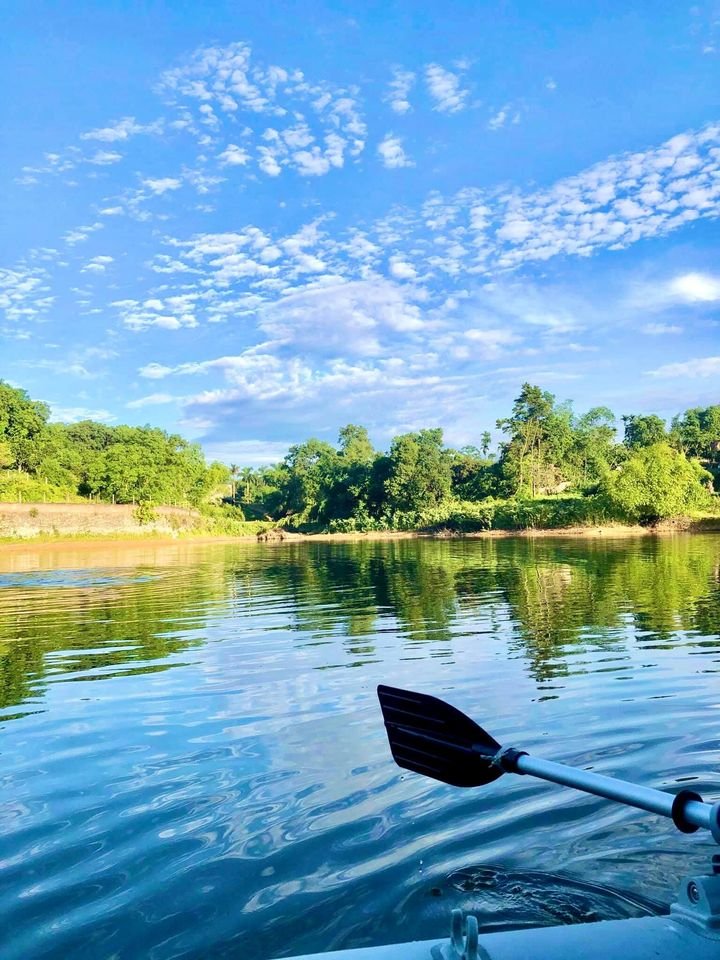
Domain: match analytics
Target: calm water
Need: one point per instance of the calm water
(193, 764)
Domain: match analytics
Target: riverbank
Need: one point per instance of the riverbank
(87, 541)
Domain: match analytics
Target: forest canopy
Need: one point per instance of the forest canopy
(551, 467)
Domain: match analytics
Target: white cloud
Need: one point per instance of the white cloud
(217, 84)
(168, 314)
(366, 317)
(24, 294)
(61, 414)
(248, 453)
(162, 184)
(392, 153)
(696, 288)
(122, 130)
(104, 158)
(401, 269)
(507, 114)
(97, 264)
(234, 156)
(700, 367)
(155, 371)
(445, 89)
(80, 234)
(151, 400)
(268, 161)
(491, 342)
(659, 329)
(399, 88)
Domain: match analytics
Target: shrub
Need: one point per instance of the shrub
(144, 513)
(658, 482)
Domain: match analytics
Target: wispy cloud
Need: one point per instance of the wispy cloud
(122, 130)
(151, 400)
(698, 367)
(399, 88)
(446, 89)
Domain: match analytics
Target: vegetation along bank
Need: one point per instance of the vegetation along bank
(552, 469)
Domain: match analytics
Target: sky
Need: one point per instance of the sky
(255, 223)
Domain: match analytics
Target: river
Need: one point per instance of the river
(193, 762)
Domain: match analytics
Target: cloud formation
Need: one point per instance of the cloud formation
(446, 89)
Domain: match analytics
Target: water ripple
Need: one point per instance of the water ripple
(193, 762)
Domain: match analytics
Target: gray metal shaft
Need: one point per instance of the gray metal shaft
(646, 798)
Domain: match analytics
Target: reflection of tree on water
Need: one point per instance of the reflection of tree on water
(88, 629)
(557, 595)
(546, 598)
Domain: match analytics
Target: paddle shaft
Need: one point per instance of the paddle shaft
(686, 809)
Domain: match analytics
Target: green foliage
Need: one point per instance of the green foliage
(115, 464)
(419, 475)
(22, 421)
(644, 431)
(144, 513)
(697, 433)
(18, 487)
(554, 469)
(540, 435)
(657, 482)
(224, 520)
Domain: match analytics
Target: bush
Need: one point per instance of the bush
(656, 483)
(144, 513)
(18, 487)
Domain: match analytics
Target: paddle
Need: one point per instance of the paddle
(430, 737)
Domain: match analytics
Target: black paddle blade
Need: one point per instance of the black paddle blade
(430, 737)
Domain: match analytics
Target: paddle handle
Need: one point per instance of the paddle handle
(686, 809)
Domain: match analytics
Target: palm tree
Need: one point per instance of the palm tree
(249, 481)
(234, 474)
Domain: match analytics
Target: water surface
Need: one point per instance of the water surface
(192, 761)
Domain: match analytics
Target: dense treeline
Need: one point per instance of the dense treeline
(553, 467)
(88, 459)
(547, 450)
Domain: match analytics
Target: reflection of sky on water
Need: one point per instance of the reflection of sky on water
(78, 579)
(202, 765)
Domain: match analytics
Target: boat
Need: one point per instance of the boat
(434, 739)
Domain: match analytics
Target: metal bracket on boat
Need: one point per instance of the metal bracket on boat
(464, 943)
(698, 903)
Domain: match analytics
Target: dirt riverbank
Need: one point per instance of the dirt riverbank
(88, 527)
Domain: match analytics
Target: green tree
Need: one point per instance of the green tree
(643, 430)
(539, 436)
(657, 482)
(419, 473)
(697, 432)
(474, 475)
(594, 451)
(351, 475)
(22, 422)
(311, 468)
(355, 445)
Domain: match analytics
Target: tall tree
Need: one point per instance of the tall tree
(643, 430)
(697, 432)
(419, 472)
(540, 433)
(22, 422)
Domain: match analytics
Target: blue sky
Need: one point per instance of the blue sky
(256, 225)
